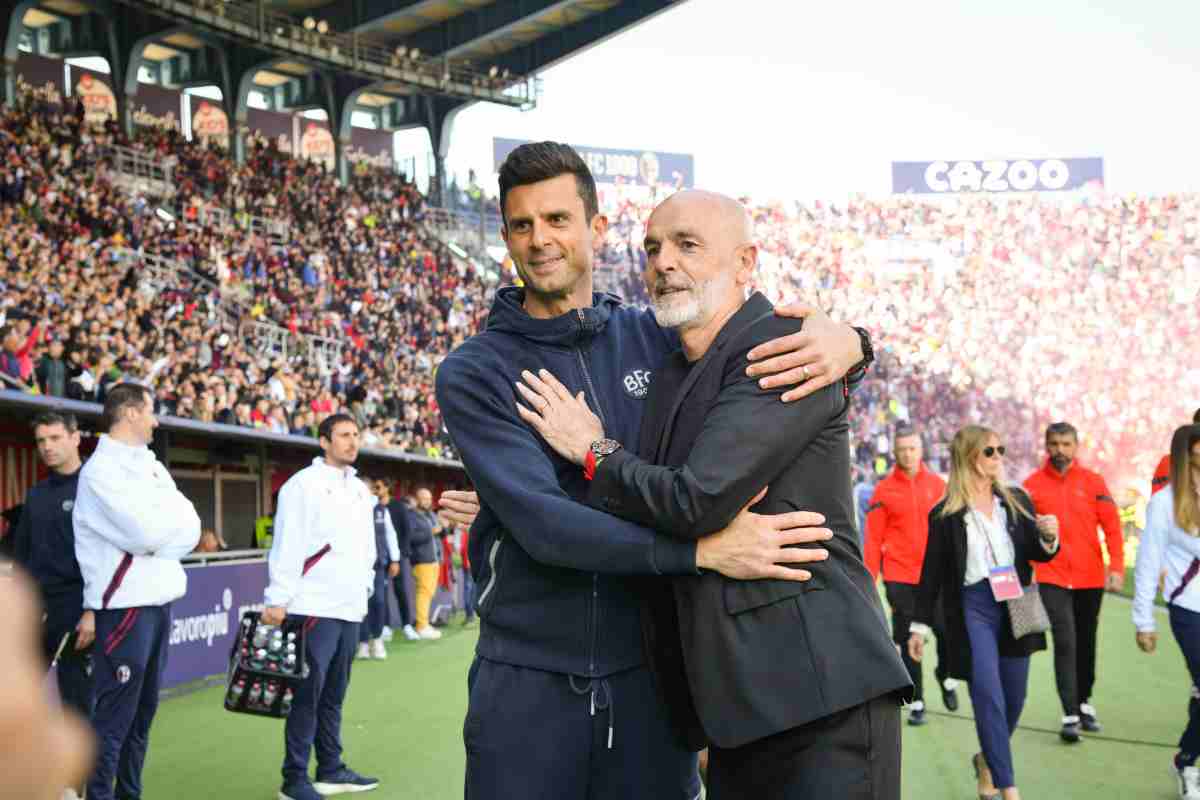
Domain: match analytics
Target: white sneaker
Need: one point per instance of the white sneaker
(410, 633)
(377, 650)
(363, 651)
(429, 633)
(69, 794)
(950, 685)
(1188, 782)
(387, 633)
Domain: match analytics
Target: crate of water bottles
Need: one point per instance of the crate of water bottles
(265, 666)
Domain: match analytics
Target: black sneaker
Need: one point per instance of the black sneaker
(1070, 730)
(916, 714)
(344, 781)
(1087, 718)
(950, 694)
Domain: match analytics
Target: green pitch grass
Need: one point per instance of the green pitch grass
(403, 723)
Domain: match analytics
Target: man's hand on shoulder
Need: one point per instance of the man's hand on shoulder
(756, 546)
(811, 359)
(274, 615)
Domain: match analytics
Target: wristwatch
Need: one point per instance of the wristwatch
(602, 448)
(864, 339)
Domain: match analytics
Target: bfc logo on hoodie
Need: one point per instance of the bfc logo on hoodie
(637, 383)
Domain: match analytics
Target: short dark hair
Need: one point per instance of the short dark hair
(540, 161)
(1196, 417)
(1061, 429)
(325, 431)
(905, 430)
(121, 397)
(64, 418)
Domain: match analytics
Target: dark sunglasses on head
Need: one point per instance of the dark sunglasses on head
(988, 452)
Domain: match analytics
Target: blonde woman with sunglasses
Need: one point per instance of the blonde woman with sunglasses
(982, 539)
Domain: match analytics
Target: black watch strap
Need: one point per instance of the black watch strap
(864, 338)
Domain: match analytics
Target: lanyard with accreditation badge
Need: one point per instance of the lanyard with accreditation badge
(1004, 581)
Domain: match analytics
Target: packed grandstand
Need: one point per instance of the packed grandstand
(1018, 310)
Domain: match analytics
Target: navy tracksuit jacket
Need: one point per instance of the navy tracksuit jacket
(560, 657)
(45, 545)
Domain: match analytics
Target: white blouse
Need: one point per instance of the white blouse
(983, 531)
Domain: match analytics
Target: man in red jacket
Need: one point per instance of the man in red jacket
(1162, 475)
(897, 530)
(1073, 584)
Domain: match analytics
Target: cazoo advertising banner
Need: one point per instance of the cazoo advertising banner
(996, 175)
(204, 621)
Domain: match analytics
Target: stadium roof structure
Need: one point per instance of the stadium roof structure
(407, 63)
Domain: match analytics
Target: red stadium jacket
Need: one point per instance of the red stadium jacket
(898, 524)
(1162, 475)
(1081, 501)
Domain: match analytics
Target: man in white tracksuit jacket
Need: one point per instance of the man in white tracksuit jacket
(322, 571)
(132, 526)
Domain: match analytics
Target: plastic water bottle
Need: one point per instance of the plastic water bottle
(255, 694)
(261, 633)
(270, 693)
(286, 705)
(236, 691)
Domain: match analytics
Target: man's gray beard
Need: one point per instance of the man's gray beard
(677, 315)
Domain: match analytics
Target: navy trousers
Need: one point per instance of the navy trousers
(1186, 627)
(127, 664)
(377, 608)
(998, 685)
(74, 672)
(539, 735)
(316, 715)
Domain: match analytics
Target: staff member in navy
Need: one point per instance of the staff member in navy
(132, 526)
(387, 565)
(322, 571)
(45, 546)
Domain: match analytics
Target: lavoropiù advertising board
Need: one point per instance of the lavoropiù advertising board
(996, 175)
(204, 621)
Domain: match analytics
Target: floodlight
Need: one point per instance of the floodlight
(322, 27)
(494, 71)
(309, 23)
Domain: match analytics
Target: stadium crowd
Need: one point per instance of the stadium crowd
(1017, 310)
(352, 265)
(984, 307)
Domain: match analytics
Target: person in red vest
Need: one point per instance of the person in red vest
(897, 531)
(1162, 475)
(1073, 584)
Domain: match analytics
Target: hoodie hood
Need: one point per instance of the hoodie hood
(508, 315)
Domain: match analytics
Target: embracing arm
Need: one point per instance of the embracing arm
(748, 438)
(517, 481)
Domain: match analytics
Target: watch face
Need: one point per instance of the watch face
(605, 447)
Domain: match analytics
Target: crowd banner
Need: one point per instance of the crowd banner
(210, 123)
(94, 90)
(40, 73)
(156, 107)
(610, 165)
(272, 125)
(996, 175)
(204, 621)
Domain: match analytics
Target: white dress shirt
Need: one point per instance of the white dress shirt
(322, 561)
(389, 532)
(983, 530)
(131, 528)
(1164, 545)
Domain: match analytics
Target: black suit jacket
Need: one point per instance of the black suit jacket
(945, 569)
(740, 660)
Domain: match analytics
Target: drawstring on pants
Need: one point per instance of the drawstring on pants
(604, 703)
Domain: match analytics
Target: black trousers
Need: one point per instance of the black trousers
(406, 614)
(851, 755)
(902, 598)
(1074, 616)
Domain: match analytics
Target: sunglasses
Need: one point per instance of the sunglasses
(988, 452)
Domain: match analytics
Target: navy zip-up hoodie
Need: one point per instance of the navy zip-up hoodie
(45, 545)
(552, 573)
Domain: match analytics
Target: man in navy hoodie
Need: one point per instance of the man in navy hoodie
(561, 704)
(45, 545)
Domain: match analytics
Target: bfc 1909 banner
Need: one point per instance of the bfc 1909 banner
(609, 165)
(996, 175)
